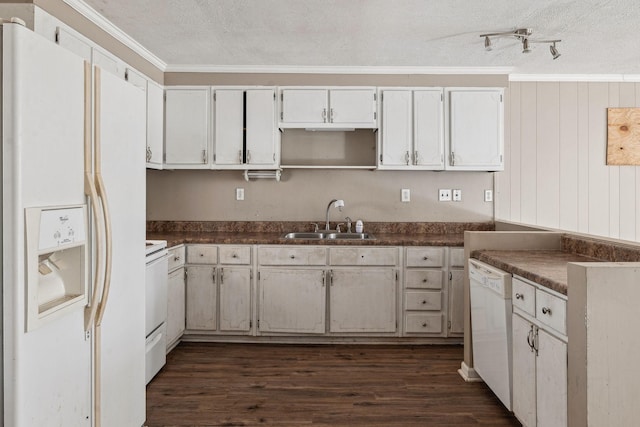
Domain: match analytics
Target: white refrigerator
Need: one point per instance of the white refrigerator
(73, 336)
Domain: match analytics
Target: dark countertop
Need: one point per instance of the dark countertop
(275, 238)
(547, 268)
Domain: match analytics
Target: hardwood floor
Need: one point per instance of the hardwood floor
(205, 384)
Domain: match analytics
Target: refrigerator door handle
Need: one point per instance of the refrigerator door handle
(90, 191)
(102, 194)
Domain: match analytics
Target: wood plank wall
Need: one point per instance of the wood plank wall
(555, 171)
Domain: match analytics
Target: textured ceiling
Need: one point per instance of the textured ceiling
(598, 36)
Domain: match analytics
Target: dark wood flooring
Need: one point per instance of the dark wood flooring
(206, 384)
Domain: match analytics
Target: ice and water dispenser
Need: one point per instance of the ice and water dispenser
(57, 262)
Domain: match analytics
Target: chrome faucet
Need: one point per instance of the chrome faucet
(336, 204)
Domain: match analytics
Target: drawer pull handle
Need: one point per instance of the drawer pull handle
(424, 280)
(176, 258)
(425, 258)
(520, 296)
(234, 256)
(424, 301)
(546, 310)
(424, 325)
(201, 255)
(292, 256)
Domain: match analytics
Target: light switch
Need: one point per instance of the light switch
(444, 195)
(239, 193)
(488, 195)
(457, 195)
(405, 195)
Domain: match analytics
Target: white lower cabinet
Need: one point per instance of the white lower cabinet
(362, 300)
(291, 300)
(455, 312)
(539, 357)
(176, 294)
(201, 297)
(219, 289)
(235, 299)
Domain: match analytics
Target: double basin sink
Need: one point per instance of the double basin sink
(328, 235)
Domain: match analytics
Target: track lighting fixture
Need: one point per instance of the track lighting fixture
(524, 36)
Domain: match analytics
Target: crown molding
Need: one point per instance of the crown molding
(620, 78)
(111, 29)
(293, 69)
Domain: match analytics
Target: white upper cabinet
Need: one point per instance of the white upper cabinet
(245, 128)
(475, 128)
(229, 126)
(261, 136)
(412, 134)
(187, 127)
(155, 125)
(330, 108)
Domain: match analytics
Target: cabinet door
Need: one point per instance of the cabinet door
(261, 131)
(305, 105)
(362, 300)
(397, 125)
(155, 125)
(175, 306)
(355, 106)
(475, 129)
(428, 138)
(186, 127)
(551, 380)
(201, 298)
(229, 126)
(456, 302)
(524, 372)
(292, 300)
(235, 299)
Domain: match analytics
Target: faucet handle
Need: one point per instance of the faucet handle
(348, 224)
(338, 227)
(315, 227)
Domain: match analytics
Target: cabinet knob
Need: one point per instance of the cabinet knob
(292, 256)
(424, 325)
(519, 296)
(424, 280)
(201, 255)
(425, 258)
(177, 258)
(234, 256)
(424, 301)
(546, 310)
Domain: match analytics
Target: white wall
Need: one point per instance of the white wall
(303, 195)
(555, 147)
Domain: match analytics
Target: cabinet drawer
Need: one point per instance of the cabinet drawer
(423, 279)
(422, 323)
(423, 300)
(202, 254)
(176, 257)
(551, 311)
(291, 255)
(363, 256)
(425, 257)
(240, 255)
(456, 257)
(523, 296)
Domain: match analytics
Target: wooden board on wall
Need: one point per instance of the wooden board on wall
(623, 136)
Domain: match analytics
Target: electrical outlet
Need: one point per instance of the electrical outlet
(239, 193)
(457, 195)
(444, 195)
(405, 195)
(488, 195)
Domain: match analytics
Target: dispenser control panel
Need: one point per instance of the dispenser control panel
(59, 227)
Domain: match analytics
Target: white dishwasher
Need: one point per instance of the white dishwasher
(491, 327)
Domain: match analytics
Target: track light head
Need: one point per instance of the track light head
(487, 43)
(554, 51)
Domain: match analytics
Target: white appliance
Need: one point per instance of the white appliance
(491, 327)
(157, 267)
(72, 265)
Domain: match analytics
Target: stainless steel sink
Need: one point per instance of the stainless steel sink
(349, 236)
(304, 235)
(331, 235)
